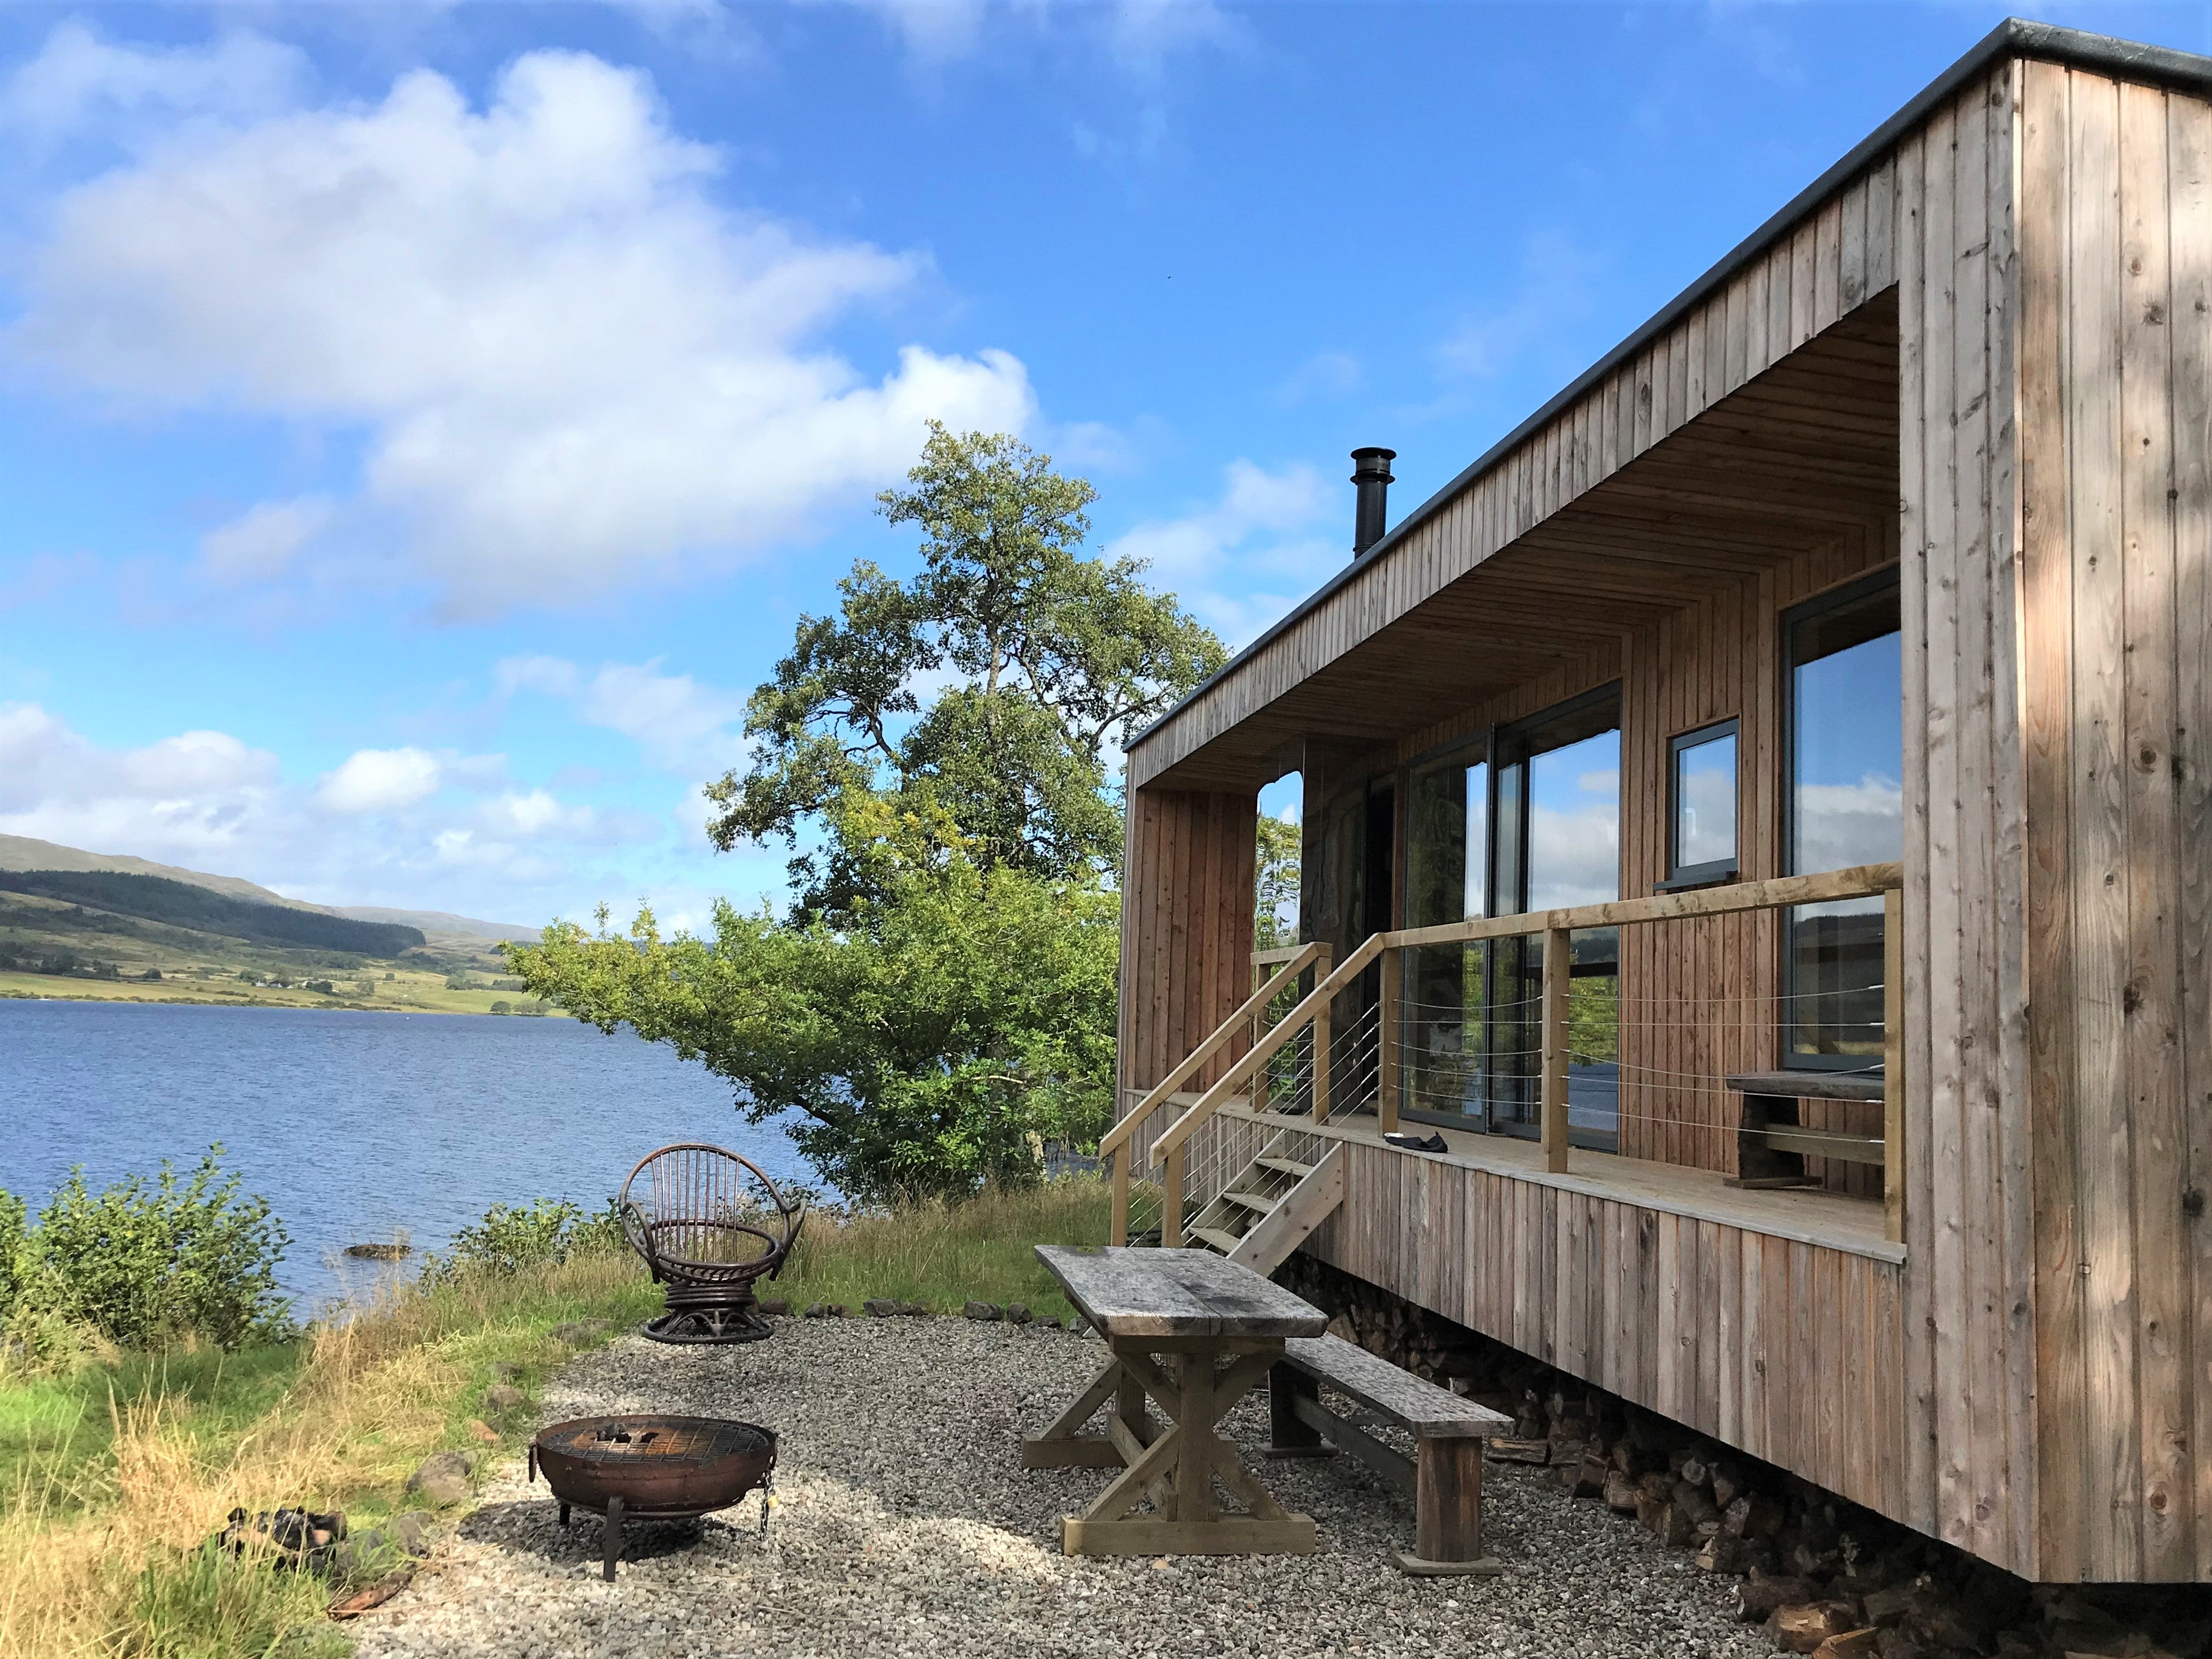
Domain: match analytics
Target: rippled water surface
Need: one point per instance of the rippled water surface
(353, 1125)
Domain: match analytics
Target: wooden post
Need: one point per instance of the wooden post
(1321, 1063)
(1259, 1077)
(1386, 1041)
(1892, 1065)
(1171, 1199)
(1195, 1416)
(1117, 1232)
(1558, 962)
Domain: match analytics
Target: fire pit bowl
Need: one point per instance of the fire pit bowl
(651, 1467)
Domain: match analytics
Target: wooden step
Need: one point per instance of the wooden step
(1258, 1201)
(1215, 1237)
(1285, 1166)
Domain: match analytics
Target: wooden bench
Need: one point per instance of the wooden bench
(1772, 1142)
(1443, 1478)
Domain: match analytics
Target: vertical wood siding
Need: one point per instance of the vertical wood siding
(2114, 349)
(1187, 873)
(1788, 1351)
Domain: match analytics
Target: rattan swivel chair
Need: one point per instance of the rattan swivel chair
(710, 1225)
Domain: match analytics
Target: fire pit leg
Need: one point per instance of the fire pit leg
(564, 1514)
(614, 1538)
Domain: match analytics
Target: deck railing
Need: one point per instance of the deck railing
(1310, 1019)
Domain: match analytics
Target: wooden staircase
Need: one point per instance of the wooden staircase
(1269, 1209)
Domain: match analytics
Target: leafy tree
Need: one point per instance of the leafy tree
(1276, 896)
(966, 1015)
(939, 999)
(1047, 659)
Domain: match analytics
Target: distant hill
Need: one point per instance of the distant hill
(22, 852)
(443, 924)
(183, 904)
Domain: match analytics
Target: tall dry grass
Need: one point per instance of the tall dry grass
(109, 1558)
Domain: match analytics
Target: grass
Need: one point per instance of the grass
(116, 1473)
(942, 1255)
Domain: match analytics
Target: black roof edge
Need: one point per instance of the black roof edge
(2013, 38)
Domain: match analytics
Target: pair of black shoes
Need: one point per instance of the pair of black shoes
(1431, 1141)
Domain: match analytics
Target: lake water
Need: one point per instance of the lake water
(354, 1127)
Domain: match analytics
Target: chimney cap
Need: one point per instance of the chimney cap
(1372, 461)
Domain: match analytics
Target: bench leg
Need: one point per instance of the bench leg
(1290, 1433)
(1448, 1512)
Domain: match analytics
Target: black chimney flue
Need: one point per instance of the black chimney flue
(1370, 471)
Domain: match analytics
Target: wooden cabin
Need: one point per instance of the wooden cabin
(1756, 817)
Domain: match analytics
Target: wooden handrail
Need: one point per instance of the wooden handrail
(1860, 882)
(1278, 954)
(1296, 963)
(1258, 1055)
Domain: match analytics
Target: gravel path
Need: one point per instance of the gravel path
(906, 1526)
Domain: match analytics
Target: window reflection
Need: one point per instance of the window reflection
(1846, 807)
(1704, 801)
(1541, 833)
(1447, 867)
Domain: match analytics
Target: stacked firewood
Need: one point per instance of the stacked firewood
(1824, 1575)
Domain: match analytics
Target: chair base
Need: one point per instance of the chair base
(707, 1325)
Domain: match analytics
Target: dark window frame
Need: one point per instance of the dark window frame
(1889, 579)
(1714, 871)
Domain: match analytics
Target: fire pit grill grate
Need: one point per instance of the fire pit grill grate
(653, 1468)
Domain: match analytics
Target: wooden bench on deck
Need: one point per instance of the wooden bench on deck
(1443, 1478)
(1772, 1142)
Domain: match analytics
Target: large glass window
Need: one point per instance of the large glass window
(1845, 807)
(1529, 821)
(1447, 880)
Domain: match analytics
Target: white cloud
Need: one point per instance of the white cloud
(1242, 562)
(189, 791)
(79, 82)
(573, 367)
(262, 542)
(402, 826)
(678, 724)
(380, 780)
(1841, 825)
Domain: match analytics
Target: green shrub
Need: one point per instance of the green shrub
(143, 1263)
(512, 1237)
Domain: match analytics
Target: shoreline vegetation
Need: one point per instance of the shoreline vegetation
(30, 988)
(408, 993)
(119, 1465)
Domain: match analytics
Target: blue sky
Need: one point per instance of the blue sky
(421, 425)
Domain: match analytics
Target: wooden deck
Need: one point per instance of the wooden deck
(1829, 1220)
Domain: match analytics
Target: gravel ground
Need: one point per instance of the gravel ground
(905, 1526)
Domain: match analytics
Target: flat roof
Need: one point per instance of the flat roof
(2016, 37)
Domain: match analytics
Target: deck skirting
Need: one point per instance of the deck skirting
(1789, 1350)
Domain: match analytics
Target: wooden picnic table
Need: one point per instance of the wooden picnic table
(1195, 1332)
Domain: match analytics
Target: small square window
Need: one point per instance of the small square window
(1702, 802)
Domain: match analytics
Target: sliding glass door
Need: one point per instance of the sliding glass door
(1558, 811)
(1527, 820)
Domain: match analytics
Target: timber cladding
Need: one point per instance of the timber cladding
(1788, 1351)
(2109, 1029)
(1188, 869)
